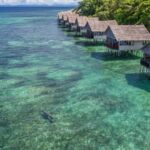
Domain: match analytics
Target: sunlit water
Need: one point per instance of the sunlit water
(98, 101)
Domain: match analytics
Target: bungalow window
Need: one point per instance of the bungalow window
(100, 33)
(129, 43)
(121, 43)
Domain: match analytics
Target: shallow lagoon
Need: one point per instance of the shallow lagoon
(98, 101)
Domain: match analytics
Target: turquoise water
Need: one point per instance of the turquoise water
(98, 101)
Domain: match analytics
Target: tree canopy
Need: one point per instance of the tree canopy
(124, 11)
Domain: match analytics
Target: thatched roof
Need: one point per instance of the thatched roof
(65, 17)
(82, 20)
(100, 26)
(64, 14)
(146, 49)
(72, 18)
(130, 32)
(60, 15)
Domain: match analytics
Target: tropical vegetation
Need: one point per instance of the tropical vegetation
(124, 11)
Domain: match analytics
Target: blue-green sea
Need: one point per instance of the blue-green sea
(97, 101)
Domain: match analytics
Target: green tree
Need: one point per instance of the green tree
(124, 11)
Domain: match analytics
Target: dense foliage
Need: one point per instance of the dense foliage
(124, 11)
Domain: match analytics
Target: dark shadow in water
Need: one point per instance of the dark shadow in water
(66, 30)
(138, 80)
(40, 75)
(3, 62)
(42, 80)
(73, 34)
(50, 82)
(88, 43)
(76, 35)
(23, 65)
(61, 85)
(21, 83)
(18, 54)
(57, 88)
(4, 120)
(4, 76)
(47, 82)
(108, 57)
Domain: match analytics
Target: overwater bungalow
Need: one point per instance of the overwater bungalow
(145, 61)
(81, 23)
(63, 17)
(60, 18)
(97, 29)
(127, 37)
(72, 22)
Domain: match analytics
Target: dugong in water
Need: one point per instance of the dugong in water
(47, 116)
